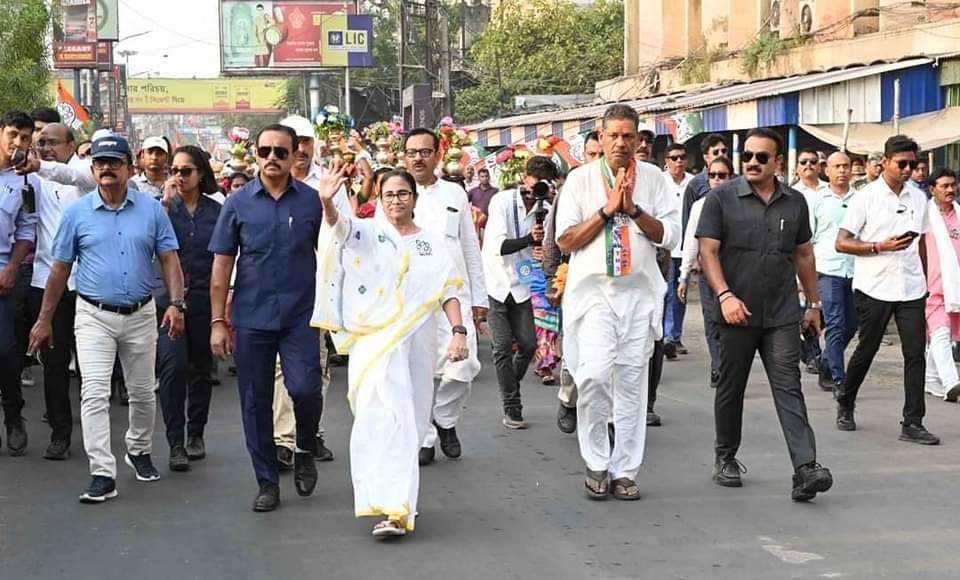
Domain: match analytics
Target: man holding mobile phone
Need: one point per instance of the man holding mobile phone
(880, 228)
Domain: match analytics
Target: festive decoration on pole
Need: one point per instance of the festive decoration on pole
(452, 141)
(239, 152)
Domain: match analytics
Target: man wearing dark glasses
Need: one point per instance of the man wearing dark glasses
(272, 224)
(754, 237)
(882, 228)
(712, 146)
(677, 180)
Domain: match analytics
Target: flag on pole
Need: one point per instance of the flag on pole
(71, 112)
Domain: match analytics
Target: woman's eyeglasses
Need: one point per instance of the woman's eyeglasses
(402, 195)
(677, 157)
(183, 171)
(718, 175)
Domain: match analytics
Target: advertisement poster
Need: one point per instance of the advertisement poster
(204, 96)
(292, 35)
(75, 39)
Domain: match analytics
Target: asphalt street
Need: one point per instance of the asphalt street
(514, 506)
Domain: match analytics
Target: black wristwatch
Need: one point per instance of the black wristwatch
(179, 305)
(604, 216)
(637, 212)
(460, 329)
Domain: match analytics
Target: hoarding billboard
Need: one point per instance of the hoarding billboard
(260, 36)
(204, 96)
(108, 26)
(75, 38)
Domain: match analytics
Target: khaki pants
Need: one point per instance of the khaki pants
(284, 423)
(101, 337)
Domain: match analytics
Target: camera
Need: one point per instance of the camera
(540, 193)
(27, 194)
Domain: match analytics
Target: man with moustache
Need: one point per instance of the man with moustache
(443, 207)
(270, 228)
(881, 230)
(754, 237)
(711, 147)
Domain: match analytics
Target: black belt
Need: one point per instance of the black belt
(125, 310)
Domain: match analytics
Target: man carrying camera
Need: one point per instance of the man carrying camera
(880, 228)
(513, 237)
(17, 233)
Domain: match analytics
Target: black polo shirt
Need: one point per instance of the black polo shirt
(756, 247)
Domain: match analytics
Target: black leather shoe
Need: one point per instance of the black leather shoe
(449, 443)
(845, 420)
(284, 458)
(918, 434)
(426, 455)
(682, 349)
(567, 419)
(16, 437)
(322, 453)
(268, 498)
(670, 350)
(653, 420)
(178, 459)
(726, 472)
(809, 480)
(58, 450)
(825, 378)
(196, 448)
(304, 473)
(714, 379)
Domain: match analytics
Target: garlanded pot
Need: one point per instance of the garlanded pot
(452, 166)
(383, 151)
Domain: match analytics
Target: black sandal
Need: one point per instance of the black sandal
(601, 488)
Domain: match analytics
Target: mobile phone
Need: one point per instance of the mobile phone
(907, 235)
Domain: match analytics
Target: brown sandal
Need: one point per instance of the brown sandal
(596, 485)
(625, 489)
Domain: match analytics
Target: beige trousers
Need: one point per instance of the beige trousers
(284, 422)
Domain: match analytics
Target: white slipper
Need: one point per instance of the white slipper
(389, 528)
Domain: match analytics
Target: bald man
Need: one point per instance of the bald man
(834, 270)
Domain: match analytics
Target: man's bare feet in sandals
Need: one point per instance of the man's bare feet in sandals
(388, 529)
(625, 489)
(596, 485)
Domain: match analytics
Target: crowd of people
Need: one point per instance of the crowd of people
(144, 269)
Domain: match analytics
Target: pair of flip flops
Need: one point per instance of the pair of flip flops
(619, 488)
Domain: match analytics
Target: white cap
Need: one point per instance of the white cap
(151, 142)
(301, 126)
(100, 134)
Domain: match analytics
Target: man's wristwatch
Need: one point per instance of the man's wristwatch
(460, 329)
(635, 212)
(179, 305)
(604, 216)
(815, 305)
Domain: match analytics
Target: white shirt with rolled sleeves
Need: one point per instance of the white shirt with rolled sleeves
(500, 270)
(588, 285)
(678, 190)
(875, 214)
(52, 200)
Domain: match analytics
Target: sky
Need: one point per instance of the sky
(182, 40)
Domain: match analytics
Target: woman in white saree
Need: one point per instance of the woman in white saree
(379, 284)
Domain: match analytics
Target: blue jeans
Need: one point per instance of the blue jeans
(675, 309)
(708, 305)
(840, 320)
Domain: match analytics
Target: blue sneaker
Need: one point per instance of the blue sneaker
(101, 489)
(142, 466)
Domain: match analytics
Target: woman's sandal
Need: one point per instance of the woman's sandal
(596, 485)
(625, 489)
(389, 528)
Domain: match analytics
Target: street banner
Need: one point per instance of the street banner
(258, 36)
(684, 126)
(75, 34)
(205, 96)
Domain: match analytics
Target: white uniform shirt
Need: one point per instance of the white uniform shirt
(679, 190)
(506, 214)
(52, 200)
(588, 284)
(443, 208)
(874, 214)
(810, 193)
(691, 245)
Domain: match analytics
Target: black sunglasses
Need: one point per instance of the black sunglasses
(808, 161)
(718, 151)
(280, 152)
(677, 157)
(184, 171)
(718, 175)
(903, 163)
(762, 157)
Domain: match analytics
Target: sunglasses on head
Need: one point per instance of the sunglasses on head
(677, 157)
(903, 163)
(280, 152)
(183, 171)
(718, 175)
(762, 157)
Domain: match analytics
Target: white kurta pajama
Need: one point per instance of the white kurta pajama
(610, 323)
(380, 292)
(443, 208)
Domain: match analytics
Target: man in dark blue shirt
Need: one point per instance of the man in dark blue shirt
(711, 147)
(272, 224)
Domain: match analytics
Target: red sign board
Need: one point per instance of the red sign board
(75, 54)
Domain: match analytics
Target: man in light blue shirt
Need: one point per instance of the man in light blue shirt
(113, 235)
(17, 234)
(834, 270)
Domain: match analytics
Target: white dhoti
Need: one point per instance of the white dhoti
(608, 354)
(941, 369)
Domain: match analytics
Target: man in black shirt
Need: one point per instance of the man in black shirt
(754, 242)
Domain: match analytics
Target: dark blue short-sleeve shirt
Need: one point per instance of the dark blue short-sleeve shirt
(275, 240)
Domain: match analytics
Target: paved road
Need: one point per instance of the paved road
(513, 507)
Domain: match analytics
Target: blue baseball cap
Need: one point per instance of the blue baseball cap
(114, 146)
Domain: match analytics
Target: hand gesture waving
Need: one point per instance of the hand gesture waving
(336, 177)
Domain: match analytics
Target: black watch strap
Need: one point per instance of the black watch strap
(604, 216)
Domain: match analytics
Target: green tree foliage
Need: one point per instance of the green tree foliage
(24, 55)
(542, 47)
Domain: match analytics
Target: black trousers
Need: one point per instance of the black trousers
(874, 315)
(655, 373)
(511, 321)
(56, 363)
(779, 349)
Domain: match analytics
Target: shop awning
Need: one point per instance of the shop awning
(930, 131)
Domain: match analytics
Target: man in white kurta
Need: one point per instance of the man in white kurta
(443, 208)
(611, 321)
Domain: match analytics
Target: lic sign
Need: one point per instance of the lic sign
(348, 40)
